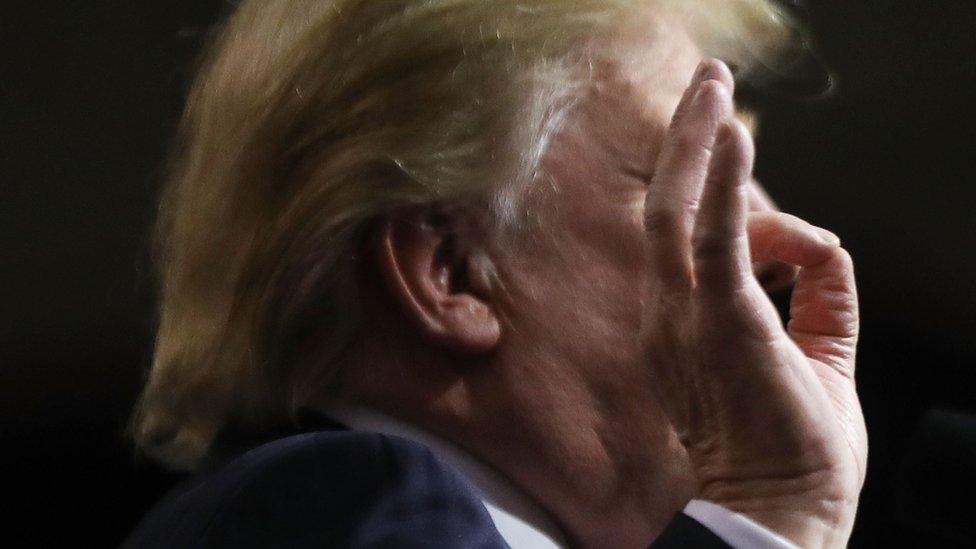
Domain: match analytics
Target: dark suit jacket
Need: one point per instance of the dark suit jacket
(339, 488)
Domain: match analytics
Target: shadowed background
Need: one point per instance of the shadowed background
(91, 92)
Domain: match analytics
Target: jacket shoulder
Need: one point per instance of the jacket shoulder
(323, 489)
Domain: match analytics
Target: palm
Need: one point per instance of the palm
(763, 402)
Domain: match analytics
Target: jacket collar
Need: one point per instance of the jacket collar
(519, 520)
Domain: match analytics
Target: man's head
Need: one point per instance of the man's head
(430, 206)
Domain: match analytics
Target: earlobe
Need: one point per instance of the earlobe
(471, 326)
(432, 275)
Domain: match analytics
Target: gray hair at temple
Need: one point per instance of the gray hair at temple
(311, 118)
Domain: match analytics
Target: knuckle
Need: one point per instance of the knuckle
(688, 146)
(714, 88)
(710, 246)
(662, 221)
(690, 205)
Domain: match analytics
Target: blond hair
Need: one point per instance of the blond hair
(310, 118)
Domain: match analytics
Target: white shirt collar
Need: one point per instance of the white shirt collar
(518, 519)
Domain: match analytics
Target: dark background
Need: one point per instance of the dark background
(90, 96)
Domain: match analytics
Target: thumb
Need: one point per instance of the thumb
(824, 318)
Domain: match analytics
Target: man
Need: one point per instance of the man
(495, 259)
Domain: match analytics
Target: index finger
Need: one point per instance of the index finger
(671, 204)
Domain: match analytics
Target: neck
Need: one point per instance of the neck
(607, 475)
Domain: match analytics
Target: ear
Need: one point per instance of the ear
(436, 276)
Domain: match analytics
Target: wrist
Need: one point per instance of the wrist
(807, 519)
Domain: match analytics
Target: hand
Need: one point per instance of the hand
(769, 415)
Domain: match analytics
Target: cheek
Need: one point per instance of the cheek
(601, 284)
(586, 276)
(609, 230)
(603, 215)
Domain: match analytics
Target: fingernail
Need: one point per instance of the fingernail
(827, 236)
(701, 93)
(712, 88)
(724, 134)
